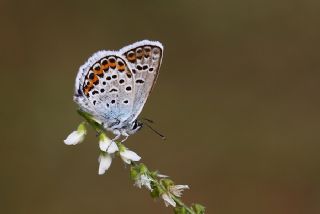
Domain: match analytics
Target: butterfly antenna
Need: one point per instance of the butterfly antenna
(155, 131)
(148, 120)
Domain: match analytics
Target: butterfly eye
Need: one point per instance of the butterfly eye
(135, 125)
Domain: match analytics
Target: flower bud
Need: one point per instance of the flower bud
(76, 136)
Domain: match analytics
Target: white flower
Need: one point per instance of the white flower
(162, 176)
(112, 148)
(76, 136)
(177, 190)
(168, 200)
(107, 145)
(127, 156)
(143, 180)
(105, 162)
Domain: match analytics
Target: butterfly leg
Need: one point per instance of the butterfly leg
(118, 135)
(125, 138)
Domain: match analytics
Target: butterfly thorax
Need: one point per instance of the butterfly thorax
(124, 129)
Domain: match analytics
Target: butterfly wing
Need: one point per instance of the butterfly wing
(144, 60)
(113, 86)
(103, 88)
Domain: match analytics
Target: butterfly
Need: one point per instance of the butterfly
(113, 86)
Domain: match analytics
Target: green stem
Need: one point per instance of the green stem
(89, 119)
(99, 129)
(176, 199)
(181, 204)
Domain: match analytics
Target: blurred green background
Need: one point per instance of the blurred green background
(237, 98)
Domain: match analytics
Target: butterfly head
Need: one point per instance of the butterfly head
(136, 126)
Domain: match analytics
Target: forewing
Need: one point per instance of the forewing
(144, 60)
(103, 87)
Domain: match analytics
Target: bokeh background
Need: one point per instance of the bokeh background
(237, 98)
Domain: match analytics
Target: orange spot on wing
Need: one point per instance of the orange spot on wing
(99, 72)
(94, 80)
(112, 64)
(131, 56)
(120, 67)
(105, 67)
(90, 85)
(88, 88)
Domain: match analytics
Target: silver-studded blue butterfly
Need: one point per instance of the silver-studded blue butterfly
(113, 86)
